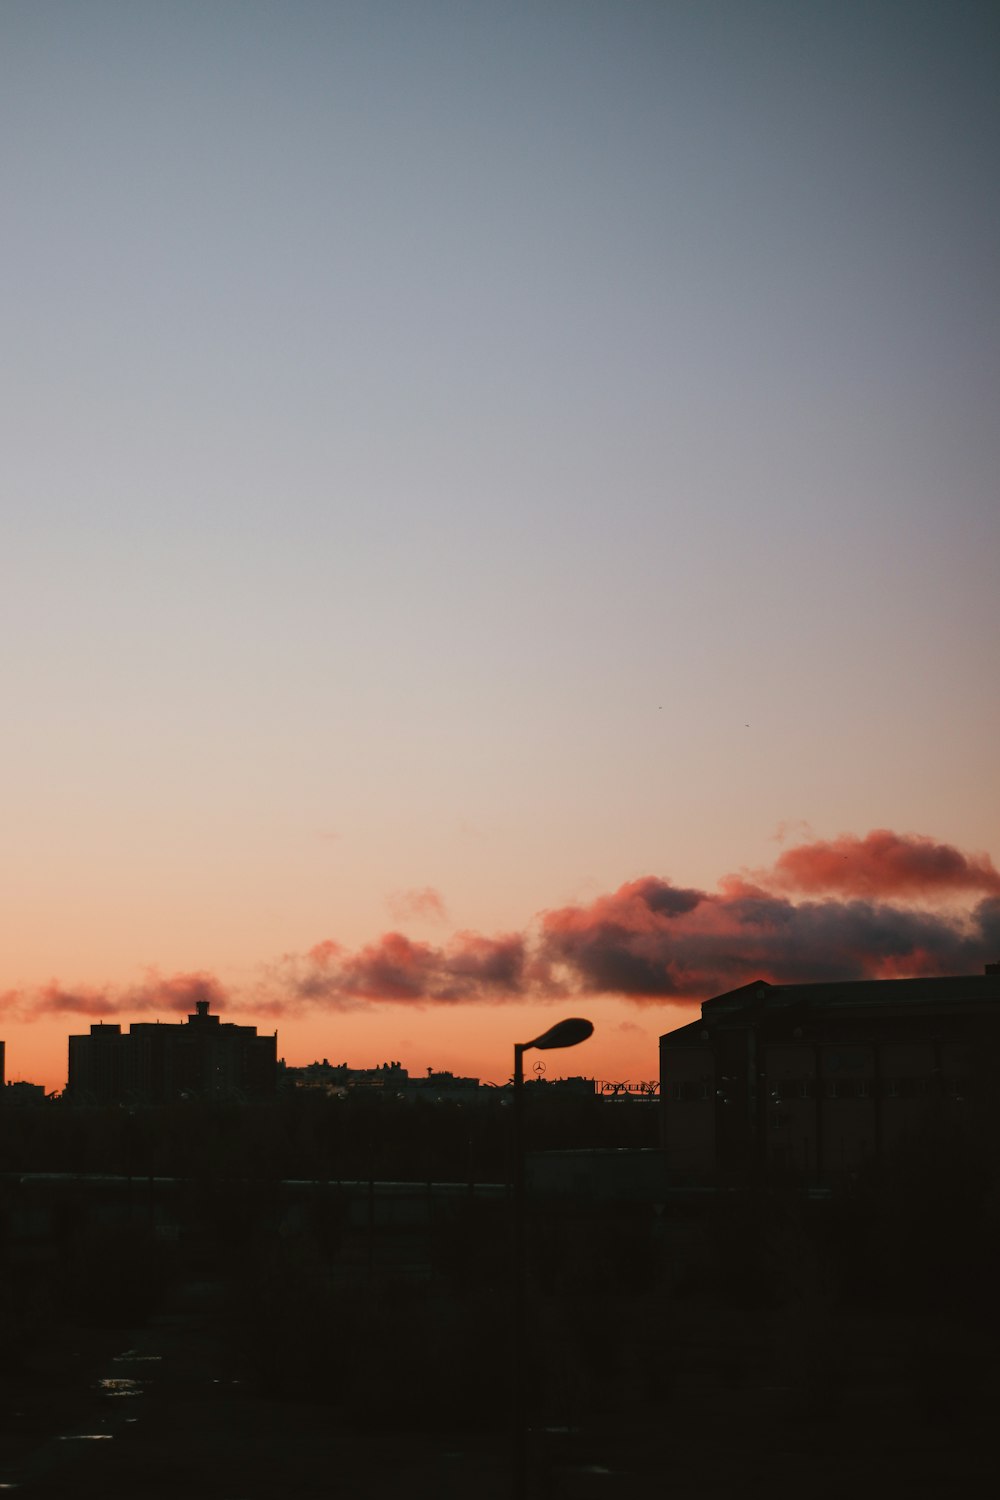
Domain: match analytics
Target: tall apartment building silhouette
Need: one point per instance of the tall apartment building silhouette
(158, 1062)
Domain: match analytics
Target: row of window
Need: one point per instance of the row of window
(869, 1088)
(829, 1088)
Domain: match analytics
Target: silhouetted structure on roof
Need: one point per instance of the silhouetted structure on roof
(157, 1062)
(817, 1079)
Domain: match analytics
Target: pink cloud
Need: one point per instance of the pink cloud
(847, 908)
(883, 864)
(636, 943)
(397, 968)
(177, 992)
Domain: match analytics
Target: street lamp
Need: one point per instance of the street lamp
(563, 1034)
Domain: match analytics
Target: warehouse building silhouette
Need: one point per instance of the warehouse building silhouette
(819, 1079)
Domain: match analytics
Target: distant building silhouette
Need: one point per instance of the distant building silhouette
(158, 1062)
(817, 1079)
(444, 1087)
(18, 1092)
(389, 1080)
(23, 1093)
(337, 1079)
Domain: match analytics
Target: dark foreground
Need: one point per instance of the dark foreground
(748, 1402)
(235, 1333)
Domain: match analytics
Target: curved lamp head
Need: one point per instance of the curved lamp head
(562, 1034)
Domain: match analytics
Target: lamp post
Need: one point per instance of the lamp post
(564, 1034)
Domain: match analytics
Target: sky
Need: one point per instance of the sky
(499, 514)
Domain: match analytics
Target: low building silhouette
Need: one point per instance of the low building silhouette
(19, 1092)
(818, 1079)
(159, 1062)
(443, 1088)
(389, 1080)
(338, 1079)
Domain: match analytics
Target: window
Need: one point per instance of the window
(686, 1093)
(841, 1088)
(783, 1089)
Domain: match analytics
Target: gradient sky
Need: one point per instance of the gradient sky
(463, 461)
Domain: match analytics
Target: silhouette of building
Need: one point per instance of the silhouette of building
(818, 1079)
(21, 1092)
(337, 1079)
(443, 1088)
(17, 1092)
(390, 1080)
(158, 1062)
